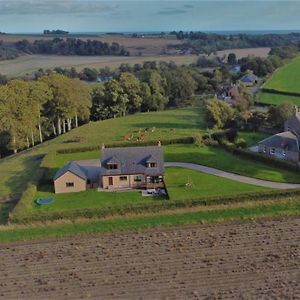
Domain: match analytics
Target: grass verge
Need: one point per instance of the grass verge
(257, 210)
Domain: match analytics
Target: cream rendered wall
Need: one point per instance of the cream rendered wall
(60, 183)
(117, 183)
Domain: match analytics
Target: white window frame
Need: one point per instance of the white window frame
(272, 151)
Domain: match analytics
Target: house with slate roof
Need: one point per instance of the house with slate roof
(249, 79)
(284, 145)
(119, 168)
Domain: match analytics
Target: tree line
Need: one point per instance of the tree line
(201, 42)
(31, 111)
(60, 46)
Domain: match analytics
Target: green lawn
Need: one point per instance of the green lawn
(16, 171)
(211, 157)
(203, 185)
(223, 160)
(252, 138)
(286, 78)
(278, 208)
(88, 199)
(275, 99)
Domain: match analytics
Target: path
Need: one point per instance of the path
(232, 176)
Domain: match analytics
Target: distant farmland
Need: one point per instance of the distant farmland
(284, 85)
(30, 63)
(240, 53)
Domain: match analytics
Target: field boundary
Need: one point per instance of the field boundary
(279, 92)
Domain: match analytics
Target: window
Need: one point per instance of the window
(265, 149)
(272, 151)
(112, 166)
(69, 184)
(154, 179)
(137, 178)
(152, 164)
(123, 178)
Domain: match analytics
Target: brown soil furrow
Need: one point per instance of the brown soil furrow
(238, 260)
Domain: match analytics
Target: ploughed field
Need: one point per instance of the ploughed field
(239, 260)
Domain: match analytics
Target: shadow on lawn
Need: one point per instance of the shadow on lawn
(18, 182)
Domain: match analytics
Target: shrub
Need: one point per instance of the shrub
(241, 143)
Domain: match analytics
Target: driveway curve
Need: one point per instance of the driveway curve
(232, 176)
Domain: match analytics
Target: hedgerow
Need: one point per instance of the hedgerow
(154, 207)
(183, 140)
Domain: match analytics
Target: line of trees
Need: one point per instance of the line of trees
(201, 42)
(60, 46)
(31, 111)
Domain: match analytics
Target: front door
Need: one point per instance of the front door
(110, 181)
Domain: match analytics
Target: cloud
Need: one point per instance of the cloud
(188, 6)
(171, 11)
(33, 7)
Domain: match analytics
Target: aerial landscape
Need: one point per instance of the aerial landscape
(149, 150)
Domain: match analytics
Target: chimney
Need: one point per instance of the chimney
(159, 144)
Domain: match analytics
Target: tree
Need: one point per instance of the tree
(157, 86)
(180, 86)
(39, 94)
(218, 113)
(277, 115)
(231, 59)
(131, 89)
(245, 100)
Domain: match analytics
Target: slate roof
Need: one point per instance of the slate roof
(284, 140)
(293, 123)
(73, 168)
(249, 78)
(133, 160)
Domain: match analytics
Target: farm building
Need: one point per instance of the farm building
(229, 94)
(119, 168)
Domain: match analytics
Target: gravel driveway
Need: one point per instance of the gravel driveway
(232, 176)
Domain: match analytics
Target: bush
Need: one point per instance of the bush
(267, 159)
(241, 143)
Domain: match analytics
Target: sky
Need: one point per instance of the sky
(33, 16)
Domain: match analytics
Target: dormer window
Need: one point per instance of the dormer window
(151, 164)
(112, 166)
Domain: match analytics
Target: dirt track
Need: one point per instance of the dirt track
(253, 260)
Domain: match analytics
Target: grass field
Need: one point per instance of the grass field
(223, 160)
(203, 185)
(208, 156)
(28, 64)
(285, 79)
(179, 217)
(275, 99)
(16, 171)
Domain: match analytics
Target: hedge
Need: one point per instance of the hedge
(152, 207)
(25, 202)
(266, 159)
(273, 91)
(183, 140)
